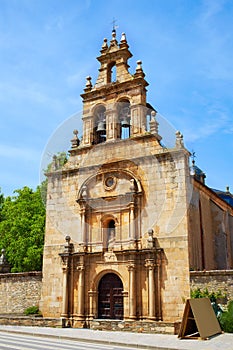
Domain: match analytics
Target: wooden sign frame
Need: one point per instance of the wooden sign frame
(199, 320)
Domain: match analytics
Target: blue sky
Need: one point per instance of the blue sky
(47, 48)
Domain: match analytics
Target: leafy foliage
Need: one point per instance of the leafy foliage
(226, 319)
(32, 310)
(213, 296)
(22, 223)
(43, 191)
(22, 229)
(1, 204)
(60, 158)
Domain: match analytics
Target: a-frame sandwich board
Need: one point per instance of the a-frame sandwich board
(199, 320)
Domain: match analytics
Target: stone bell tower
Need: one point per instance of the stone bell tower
(103, 118)
(120, 203)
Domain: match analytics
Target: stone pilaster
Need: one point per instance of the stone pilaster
(111, 124)
(65, 298)
(150, 265)
(132, 290)
(92, 304)
(81, 291)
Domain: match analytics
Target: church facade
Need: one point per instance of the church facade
(123, 214)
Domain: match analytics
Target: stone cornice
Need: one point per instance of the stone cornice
(211, 273)
(115, 87)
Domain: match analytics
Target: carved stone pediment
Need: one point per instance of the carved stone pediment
(109, 188)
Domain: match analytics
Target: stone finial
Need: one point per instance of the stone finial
(153, 114)
(4, 266)
(154, 125)
(105, 45)
(113, 42)
(68, 246)
(2, 257)
(192, 168)
(227, 189)
(75, 140)
(68, 239)
(150, 240)
(123, 38)
(114, 33)
(139, 71)
(179, 140)
(88, 84)
(123, 42)
(139, 66)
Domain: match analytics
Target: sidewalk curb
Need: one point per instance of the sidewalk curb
(89, 340)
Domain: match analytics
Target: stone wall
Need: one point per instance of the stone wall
(36, 321)
(135, 326)
(213, 280)
(19, 291)
(211, 231)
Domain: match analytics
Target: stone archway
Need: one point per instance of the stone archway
(110, 299)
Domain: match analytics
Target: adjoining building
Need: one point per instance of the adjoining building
(133, 217)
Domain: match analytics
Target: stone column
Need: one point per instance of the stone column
(132, 290)
(66, 257)
(92, 304)
(83, 225)
(138, 119)
(111, 124)
(151, 288)
(158, 293)
(87, 130)
(125, 295)
(131, 221)
(65, 291)
(71, 288)
(81, 291)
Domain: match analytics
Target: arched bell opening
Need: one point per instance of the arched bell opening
(99, 132)
(111, 73)
(110, 297)
(124, 119)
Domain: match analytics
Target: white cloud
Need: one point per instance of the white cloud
(211, 8)
(208, 126)
(13, 152)
(214, 49)
(28, 91)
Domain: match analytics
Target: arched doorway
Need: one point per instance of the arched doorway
(110, 300)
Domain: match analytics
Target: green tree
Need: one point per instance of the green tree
(1, 204)
(213, 296)
(22, 229)
(226, 319)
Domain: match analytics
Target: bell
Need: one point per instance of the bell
(101, 127)
(125, 122)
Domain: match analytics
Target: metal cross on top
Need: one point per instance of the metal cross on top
(114, 26)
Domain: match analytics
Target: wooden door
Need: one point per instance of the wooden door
(110, 303)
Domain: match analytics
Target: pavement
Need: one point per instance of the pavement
(139, 340)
